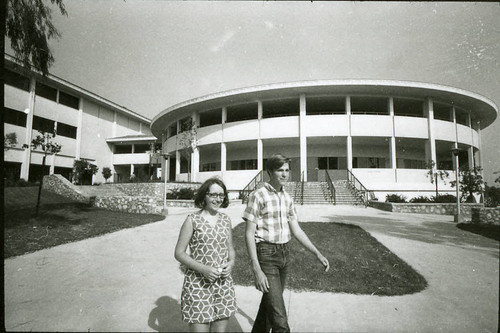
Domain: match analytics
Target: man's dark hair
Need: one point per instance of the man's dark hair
(276, 161)
(199, 199)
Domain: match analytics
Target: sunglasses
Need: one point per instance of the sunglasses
(216, 195)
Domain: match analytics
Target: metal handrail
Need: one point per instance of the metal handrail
(296, 192)
(356, 183)
(331, 187)
(251, 186)
(302, 189)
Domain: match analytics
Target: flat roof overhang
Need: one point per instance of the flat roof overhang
(132, 139)
(484, 109)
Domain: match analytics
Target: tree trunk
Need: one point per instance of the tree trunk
(437, 193)
(40, 187)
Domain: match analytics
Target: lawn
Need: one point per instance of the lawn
(59, 221)
(359, 264)
(486, 230)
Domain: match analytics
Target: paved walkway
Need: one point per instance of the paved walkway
(129, 281)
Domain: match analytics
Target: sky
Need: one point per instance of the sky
(150, 55)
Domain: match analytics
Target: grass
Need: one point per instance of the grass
(59, 221)
(486, 230)
(359, 264)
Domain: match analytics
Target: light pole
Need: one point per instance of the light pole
(165, 210)
(458, 216)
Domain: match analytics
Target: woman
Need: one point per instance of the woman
(208, 298)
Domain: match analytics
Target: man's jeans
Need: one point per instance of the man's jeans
(274, 260)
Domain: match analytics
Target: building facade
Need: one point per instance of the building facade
(385, 132)
(87, 126)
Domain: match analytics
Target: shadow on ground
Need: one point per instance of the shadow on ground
(166, 317)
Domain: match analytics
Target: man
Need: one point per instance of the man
(271, 219)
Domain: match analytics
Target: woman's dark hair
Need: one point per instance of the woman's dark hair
(199, 199)
(275, 162)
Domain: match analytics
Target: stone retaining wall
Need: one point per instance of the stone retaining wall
(60, 185)
(129, 204)
(149, 189)
(180, 203)
(486, 215)
(426, 208)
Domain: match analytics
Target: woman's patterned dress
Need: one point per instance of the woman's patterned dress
(203, 301)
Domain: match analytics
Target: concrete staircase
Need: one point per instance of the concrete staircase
(319, 193)
(345, 194)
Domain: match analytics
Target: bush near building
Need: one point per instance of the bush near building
(444, 198)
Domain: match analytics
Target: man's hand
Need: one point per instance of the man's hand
(323, 261)
(261, 282)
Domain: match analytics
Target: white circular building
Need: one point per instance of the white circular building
(382, 132)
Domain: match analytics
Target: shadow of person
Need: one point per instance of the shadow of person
(166, 317)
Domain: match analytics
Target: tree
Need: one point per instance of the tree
(83, 169)
(188, 141)
(9, 140)
(471, 181)
(433, 173)
(106, 173)
(45, 142)
(29, 28)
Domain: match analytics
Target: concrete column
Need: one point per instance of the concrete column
(30, 111)
(177, 163)
(430, 149)
(260, 144)
(302, 137)
(260, 155)
(480, 153)
(52, 164)
(349, 137)
(79, 128)
(167, 167)
(224, 115)
(223, 156)
(470, 154)
(195, 164)
(132, 169)
(393, 140)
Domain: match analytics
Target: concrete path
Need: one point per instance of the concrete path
(129, 281)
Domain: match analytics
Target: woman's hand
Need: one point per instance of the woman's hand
(210, 273)
(227, 268)
(323, 261)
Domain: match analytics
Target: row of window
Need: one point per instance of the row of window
(322, 106)
(21, 82)
(325, 163)
(42, 124)
(138, 148)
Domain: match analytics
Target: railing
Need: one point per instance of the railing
(259, 178)
(333, 194)
(302, 188)
(358, 187)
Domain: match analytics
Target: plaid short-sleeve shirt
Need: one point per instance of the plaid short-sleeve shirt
(270, 210)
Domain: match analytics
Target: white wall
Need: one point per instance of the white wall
(369, 125)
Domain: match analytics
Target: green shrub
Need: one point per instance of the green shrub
(420, 199)
(492, 196)
(183, 193)
(444, 198)
(397, 198)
